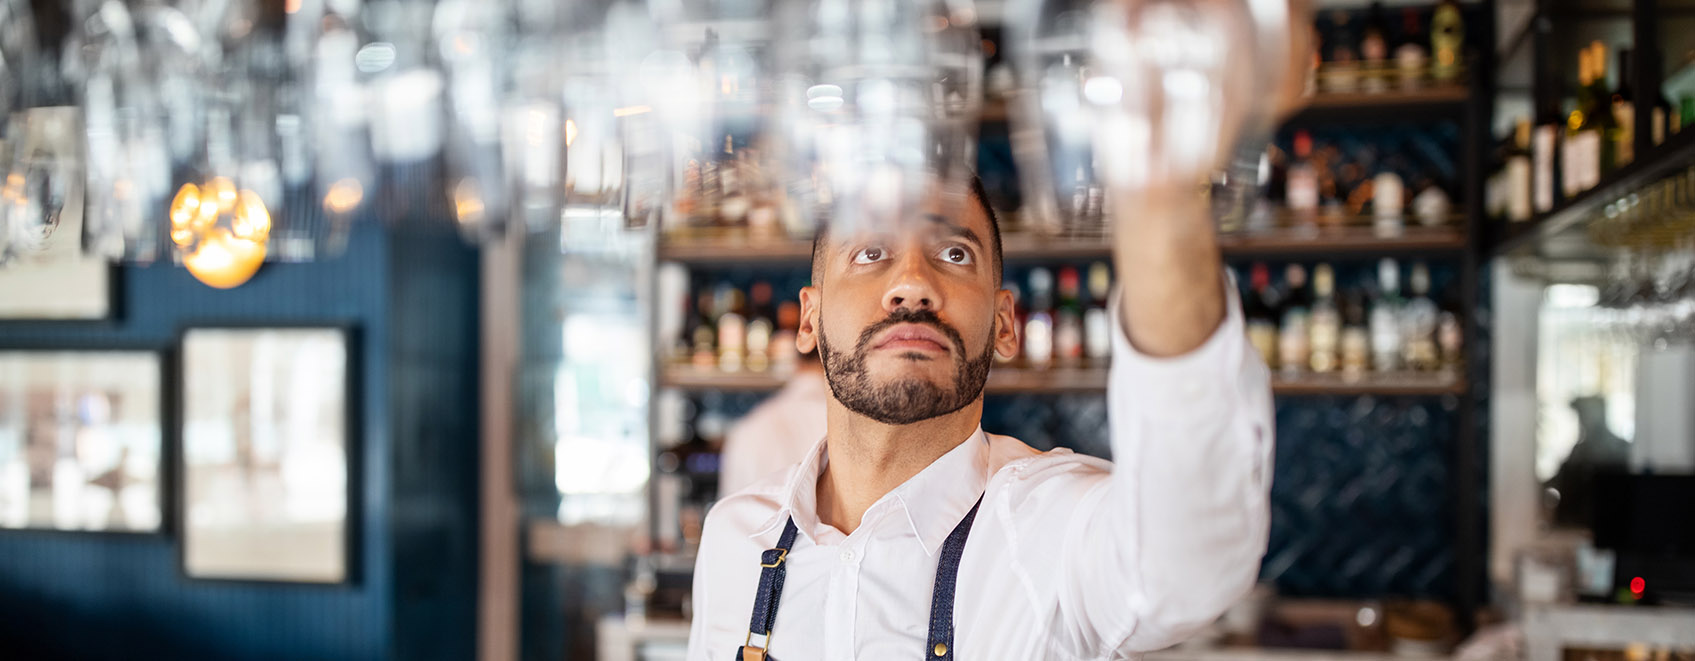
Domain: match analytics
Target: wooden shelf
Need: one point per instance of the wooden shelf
(1012, 380)
(1321, 240)
(1418, 103)
(1369, 383)
(1312, 240)
(1529, 237)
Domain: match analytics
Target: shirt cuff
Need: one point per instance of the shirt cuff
(1188, 384)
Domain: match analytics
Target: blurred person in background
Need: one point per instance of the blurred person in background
(776, 434)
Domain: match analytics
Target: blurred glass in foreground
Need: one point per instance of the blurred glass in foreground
(1122, 98)
(878, 107)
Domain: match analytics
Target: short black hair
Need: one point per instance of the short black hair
(977, 192)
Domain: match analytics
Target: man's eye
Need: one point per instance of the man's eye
(955, 255)
(868, 255)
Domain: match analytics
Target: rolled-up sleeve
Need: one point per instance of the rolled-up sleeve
(1176, 535)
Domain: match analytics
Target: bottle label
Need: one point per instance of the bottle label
(1542, 146)
(1518, 189)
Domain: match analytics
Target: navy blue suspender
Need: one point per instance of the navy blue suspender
(774, 566)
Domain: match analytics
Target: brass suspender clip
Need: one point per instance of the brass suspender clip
(782, 554)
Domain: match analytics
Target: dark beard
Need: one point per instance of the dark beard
(909, 400)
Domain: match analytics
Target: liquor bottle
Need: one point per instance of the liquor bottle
(1260, 311)
(1302, 178)
(784, 354)
(1624, 114)
(1418, 323)
(1356, 335)
(1449, 337)
(1582, 148)
(1344, 53)
(1447, 38)
(760, 327)
(1432, 206)
(1097, 326)
(1019, 315)
(1293, 349)
(704, 338)
(1519, 174)
(1665, 121)
(1068, 319)
(1411, 58)
(1374, 49)
(1038, 329)
(1388, 201)
(1599, 119)
(1386, 318)
(1545, 159)
(732, 330)
(1324, 335)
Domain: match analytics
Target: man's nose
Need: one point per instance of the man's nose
(912, 285)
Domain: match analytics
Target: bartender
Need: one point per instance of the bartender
(908, 530)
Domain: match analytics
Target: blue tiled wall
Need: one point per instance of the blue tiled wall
(81, 596)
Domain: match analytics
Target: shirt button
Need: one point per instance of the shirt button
(847, 555)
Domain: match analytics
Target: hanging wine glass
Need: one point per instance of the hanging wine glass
(43, 135)
(323, 48)
(472, 39)
(407, 119)
(879, 102)
(1124, 97)
(139, 68)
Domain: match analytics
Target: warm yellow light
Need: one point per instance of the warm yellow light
(467, 204)
(344, 196)
(252, 221)
(222, 193)
(224, 261)
(570, 132)
(630, 110)
(291, 6)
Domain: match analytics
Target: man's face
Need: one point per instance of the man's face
(907, 320)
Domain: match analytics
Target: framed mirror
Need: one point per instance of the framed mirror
(267, 447)
(81, 435)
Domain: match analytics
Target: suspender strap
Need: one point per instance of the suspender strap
(774, 566)
(940, 646)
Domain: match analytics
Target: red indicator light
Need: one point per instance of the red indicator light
(1637, 585)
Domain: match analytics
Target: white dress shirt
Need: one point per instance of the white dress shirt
(1070, 557)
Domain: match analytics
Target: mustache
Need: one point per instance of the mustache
(911, 316)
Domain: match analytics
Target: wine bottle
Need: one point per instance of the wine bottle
(1386, 318)
(1293, 349)
(1519, 174)
(1097, 327)
(1374, 49)
(1038, 329)
(1447, 38)
(1418, 323)
(1260, 312)
(1068, 319)
(1411, 58)
(1325, 331)
(1302, 179)
(1624, 114)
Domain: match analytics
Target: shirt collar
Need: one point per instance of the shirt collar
(934, 500)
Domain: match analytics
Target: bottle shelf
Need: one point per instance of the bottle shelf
(1316, 238)
(1354, 236)
(1430, 96)
(1530, 237)
(1024, 380)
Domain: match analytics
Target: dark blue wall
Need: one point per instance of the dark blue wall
(82, 596)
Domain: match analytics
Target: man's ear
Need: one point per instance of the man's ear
(1006, 326)
(806, 336)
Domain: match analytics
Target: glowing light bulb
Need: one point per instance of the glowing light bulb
(223, 261)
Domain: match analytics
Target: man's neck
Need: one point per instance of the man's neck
(868, 459)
